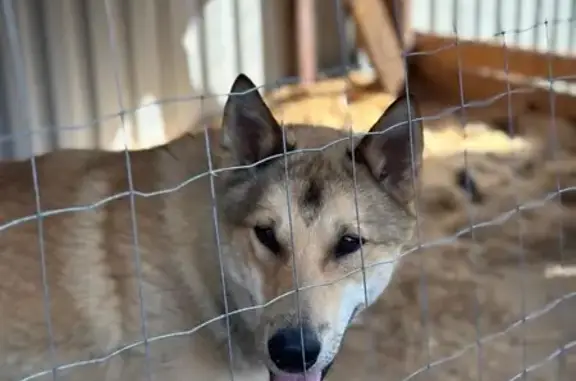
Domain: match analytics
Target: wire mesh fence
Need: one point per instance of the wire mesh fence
(471, 231)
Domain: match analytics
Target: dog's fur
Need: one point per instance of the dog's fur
(133, 264)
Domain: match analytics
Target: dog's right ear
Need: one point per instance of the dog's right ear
(250, 130)
(393, 150)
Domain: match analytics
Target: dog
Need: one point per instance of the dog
(180, 262)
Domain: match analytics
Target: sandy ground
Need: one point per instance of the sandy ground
(457, 305)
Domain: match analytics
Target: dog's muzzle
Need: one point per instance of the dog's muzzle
(295, 351)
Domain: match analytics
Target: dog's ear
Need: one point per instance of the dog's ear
(392, 151)
(250, 131)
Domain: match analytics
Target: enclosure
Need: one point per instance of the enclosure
(487, 291)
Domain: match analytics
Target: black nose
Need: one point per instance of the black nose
(294, 350)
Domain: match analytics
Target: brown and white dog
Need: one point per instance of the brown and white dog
(81, 288)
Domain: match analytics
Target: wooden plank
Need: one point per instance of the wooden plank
(306, 41)
(467, 86)
(400, 10)
(475, 55)
(377, 31)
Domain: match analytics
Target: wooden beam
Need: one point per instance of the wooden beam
(401, 15)
(444, 81)
(378, 34)
(476, 55)
(306, 37)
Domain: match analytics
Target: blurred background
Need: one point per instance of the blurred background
(69, 68)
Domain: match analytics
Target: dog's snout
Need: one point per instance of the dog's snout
(295, 349)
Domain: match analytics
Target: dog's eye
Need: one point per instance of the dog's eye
(348, 244)
(267, 237)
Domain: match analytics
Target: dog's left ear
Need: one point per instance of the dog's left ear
(250, 130)
(392, 151)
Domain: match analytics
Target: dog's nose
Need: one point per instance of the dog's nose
(294, 350)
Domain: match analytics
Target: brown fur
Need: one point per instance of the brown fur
(97, 270)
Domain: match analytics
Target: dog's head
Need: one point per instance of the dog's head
(330, 222)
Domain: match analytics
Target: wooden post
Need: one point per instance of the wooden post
(401, 15)
(306, 40)
(380, 39)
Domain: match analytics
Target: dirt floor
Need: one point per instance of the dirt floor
(456, 308)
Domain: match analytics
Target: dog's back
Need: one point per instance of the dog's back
(71, 281)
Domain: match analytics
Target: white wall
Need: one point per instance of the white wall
(523, 21)
(69, 67)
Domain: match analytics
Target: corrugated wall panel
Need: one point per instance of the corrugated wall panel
(540, 25)
(109, 68)
(35, 70)
(67, 63)
(531, 24)
(21, 98)
(76, 65)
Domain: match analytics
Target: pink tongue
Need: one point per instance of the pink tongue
(310, 376)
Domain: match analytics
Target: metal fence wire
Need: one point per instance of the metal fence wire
(434, 354)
